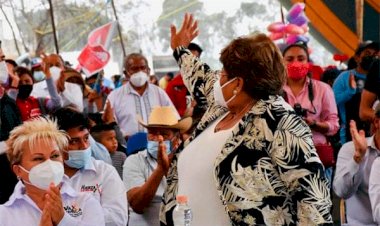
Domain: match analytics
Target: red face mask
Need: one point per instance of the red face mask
(297, 70)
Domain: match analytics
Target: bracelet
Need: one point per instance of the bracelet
(13, 87)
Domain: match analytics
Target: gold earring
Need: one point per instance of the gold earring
(235, 92)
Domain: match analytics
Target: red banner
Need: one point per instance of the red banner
(94, 56)
(102, 35)
(93, 59)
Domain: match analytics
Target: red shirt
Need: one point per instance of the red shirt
(177, 91)
(29, 108)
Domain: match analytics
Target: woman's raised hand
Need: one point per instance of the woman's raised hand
(189, 30)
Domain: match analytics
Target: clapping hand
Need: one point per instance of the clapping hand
(188, 31)
(163, 160)
(359, 140)
(108, 116)
(45, 218)
(352, 81)
(53, 205)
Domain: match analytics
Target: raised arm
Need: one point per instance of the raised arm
(349, 168)
(55, 100)
(344, 87)
(140, 192)
(197, 76)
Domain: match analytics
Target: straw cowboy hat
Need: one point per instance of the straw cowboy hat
(165, 117)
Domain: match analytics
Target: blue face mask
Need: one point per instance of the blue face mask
(78, 158)
(152, 148)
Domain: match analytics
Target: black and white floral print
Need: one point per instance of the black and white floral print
(268, 172)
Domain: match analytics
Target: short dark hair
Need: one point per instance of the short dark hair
(258, 61)
(97, 130)
(195, 47)
(11, 62)
(102, 127)
(23, 70)
(330, 74)
(68, 118)
(366, 45)
(134, 55)
(301, 45)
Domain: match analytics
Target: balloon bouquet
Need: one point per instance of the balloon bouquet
(292, 31)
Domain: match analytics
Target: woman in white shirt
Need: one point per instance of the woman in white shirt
(40, 197)
(251, 159)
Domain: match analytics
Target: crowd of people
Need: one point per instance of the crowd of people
(263, 141)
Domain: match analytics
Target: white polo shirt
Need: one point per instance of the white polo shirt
(80, 209)
(103, 182)
(127, 104)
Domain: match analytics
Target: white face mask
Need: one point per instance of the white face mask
(3, 72)
(72, 94)
(55, 72)
(218, 93)
(38, 76)
(44, 173)
(139, 79)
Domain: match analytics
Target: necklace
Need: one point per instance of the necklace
(231, 118)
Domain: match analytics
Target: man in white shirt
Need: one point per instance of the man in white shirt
(144, 172)
(137, 96)
(85, 174)
(357, 178)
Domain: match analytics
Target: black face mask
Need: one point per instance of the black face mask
(366, 62)
(24, 91)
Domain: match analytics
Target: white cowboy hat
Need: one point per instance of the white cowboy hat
(165, 117)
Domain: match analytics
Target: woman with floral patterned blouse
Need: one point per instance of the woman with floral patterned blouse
(251, 159)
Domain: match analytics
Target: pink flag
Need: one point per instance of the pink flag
(93, 59)
(94, 56)
(102, 35)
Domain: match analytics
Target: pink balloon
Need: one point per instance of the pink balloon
(295, 11)
(276, 36)
(276, 27)
(291, 39)
(294, 29)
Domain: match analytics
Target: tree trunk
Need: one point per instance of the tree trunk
(13, 32)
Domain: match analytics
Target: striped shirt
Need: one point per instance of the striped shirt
(118, 159)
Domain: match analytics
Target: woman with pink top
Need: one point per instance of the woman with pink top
(311, 99)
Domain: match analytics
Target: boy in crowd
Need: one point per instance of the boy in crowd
(106, 135)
